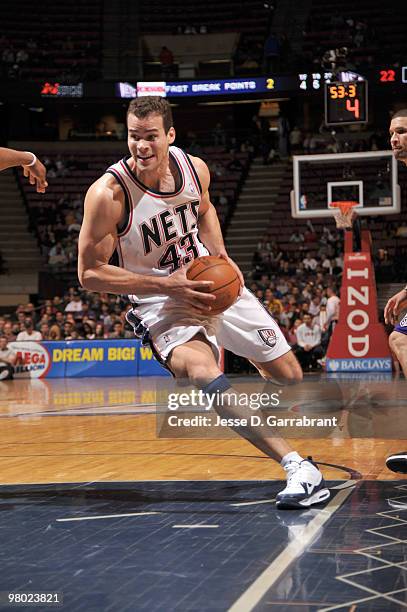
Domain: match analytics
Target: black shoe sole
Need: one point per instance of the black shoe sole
(397, 463)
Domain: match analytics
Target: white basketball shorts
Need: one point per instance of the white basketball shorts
(246, 328)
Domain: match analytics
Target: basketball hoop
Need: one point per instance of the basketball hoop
(343, 219)
(345, 206)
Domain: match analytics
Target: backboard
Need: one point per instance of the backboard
(370, 179)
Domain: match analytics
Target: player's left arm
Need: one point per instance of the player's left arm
(208, 223)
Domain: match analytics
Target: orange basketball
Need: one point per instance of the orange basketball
(226, 280)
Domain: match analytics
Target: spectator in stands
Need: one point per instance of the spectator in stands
(118, 331)
(55, 333)
(337, 264)
(310, 263)
(332, 308)
(190, 29)
(310, 235)
(8, 359)
(8, 331)
(67, 330)
(105, 316)
(314, 307)
(296, 237)
(75, 304)
(29, 334)
(89, 330)
(99, 331)
(292, 333)
(57, 256)
(44, 330)
(309, 348)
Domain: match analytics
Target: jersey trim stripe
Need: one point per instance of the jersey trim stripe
(193, 172)
(124, 228)
(121, 258)
(156, 194)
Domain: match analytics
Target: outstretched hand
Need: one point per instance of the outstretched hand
(36, 175)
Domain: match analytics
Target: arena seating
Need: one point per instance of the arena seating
(67, 38)
(383, 33)
(86, 167)
(160, 17)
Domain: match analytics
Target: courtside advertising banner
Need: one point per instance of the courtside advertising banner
(83, 358)
(359, 342)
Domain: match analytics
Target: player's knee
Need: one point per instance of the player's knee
(201, 373)
(397, 342)
(287, 374)
(195, 368)
(292, 376)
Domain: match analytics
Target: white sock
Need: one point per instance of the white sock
(292, 456)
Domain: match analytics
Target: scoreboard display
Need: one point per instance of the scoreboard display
(346, 103)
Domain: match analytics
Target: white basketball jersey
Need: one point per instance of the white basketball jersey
(161, 231)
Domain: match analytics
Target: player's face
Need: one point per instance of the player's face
(398, 138)
(148, 143)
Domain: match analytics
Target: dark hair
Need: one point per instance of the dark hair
(152, 105)
(400, 113)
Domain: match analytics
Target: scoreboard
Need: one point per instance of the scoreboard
(346, 103)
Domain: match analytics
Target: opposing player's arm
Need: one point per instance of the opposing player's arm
(103, 212)
(208, 223)
(34, 170)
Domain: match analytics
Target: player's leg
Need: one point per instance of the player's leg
(282, 370)
(248, 330)
(196, 361)
(305, 483)
(397, 462)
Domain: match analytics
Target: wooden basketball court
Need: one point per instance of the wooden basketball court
(101, 510)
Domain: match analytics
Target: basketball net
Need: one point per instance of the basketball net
(344, 216)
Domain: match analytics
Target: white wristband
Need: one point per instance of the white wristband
(34, 161)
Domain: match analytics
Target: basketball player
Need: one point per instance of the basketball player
(148, 208)
(398, 338)
(34, 170)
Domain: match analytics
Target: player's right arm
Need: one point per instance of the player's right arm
(103, 212)
(394, 305)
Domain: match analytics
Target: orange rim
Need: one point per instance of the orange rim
(345, 206)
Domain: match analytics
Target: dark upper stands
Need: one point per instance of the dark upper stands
(62, 40)
(161, 17)
(372, 30)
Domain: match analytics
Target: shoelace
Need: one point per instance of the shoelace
(291, 468)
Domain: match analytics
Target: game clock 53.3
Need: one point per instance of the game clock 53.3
(346, 103)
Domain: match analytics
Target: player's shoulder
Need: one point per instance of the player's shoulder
(105, 186)
(202, 171)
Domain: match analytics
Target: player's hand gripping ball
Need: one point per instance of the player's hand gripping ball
(226, 287)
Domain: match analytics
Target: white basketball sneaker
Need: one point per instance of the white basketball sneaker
(305, 486)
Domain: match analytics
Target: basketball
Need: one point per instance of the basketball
(226, 280)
